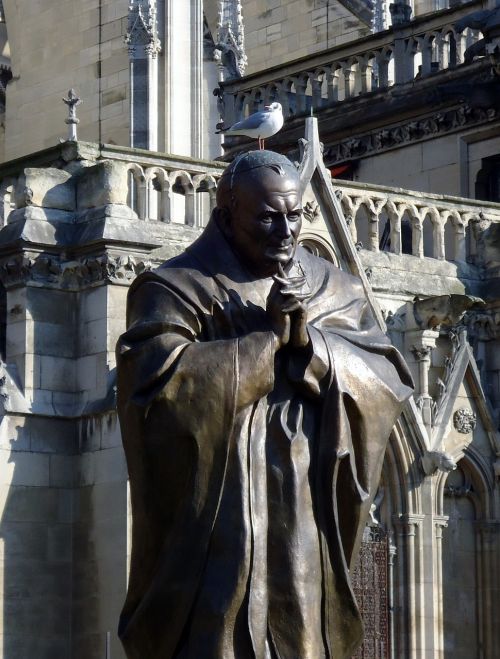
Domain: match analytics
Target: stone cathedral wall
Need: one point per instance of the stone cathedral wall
(58, 45)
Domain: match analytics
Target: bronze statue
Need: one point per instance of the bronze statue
(256, 395)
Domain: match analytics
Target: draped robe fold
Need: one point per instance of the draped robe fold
(251, 472)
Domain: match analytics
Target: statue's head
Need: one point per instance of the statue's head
(259, 210)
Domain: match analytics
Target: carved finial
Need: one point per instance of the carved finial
(72, 101)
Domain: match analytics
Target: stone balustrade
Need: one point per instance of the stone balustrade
(421, 224)
(167, 188)
(174, 190)
(413, 50)
(170, 189)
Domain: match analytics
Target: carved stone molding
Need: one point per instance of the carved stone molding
(407, 133)
(408, 523)
(464, 421)
(50, 271)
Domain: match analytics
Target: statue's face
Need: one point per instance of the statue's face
(265, 221)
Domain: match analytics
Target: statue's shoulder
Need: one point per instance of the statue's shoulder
(181, 274)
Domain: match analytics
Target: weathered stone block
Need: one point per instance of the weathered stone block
(110, 434)
(28, 504)
(14, 433)
(47, 188)
(57, 373)
(54, 341)
(20, 468)
(102, 184)
(63, 470)
(110, 465)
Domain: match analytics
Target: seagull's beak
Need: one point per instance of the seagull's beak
(267, 107)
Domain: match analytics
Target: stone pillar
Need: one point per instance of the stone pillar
(408, 526)
(440, 522)
(390, 603)
(488, 574)
(403, 59)
(183, 76)
(421, 343)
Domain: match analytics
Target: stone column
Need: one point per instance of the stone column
(408, 525)
(440, 522)
(420, 344)
(488, 549)
(390, 603)
(183, 77)
(403, 60)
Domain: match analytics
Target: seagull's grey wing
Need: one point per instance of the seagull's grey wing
(253, 121)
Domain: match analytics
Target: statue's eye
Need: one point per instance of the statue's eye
(266, 219)
(294, 217)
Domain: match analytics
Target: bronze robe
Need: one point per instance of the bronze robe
(251, 473)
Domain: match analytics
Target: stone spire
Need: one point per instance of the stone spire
(230, 46)
(142, 30)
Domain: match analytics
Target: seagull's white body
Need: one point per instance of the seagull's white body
(259, 125)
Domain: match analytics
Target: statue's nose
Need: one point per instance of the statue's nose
(284, 227)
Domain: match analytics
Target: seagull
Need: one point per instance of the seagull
(261, 124)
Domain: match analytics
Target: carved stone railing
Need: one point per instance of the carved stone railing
(421, 224)
(155, 187)
(171, 189)
(168, 188)
(413, 50)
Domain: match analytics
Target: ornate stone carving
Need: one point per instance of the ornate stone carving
(72, 274)
(396, 322)
(483, 325)
(464, 421)
(421, 352)
(434, 461)
(230, 46)
(413, 131)
(460, 491)
(458, 338)
(15, 270)
(442, 310)
(311, 211)
(142, 32)
(72, 120)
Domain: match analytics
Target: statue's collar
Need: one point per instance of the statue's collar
(217, 258)
(215, 254)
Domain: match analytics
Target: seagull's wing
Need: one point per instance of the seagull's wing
(252, 122)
